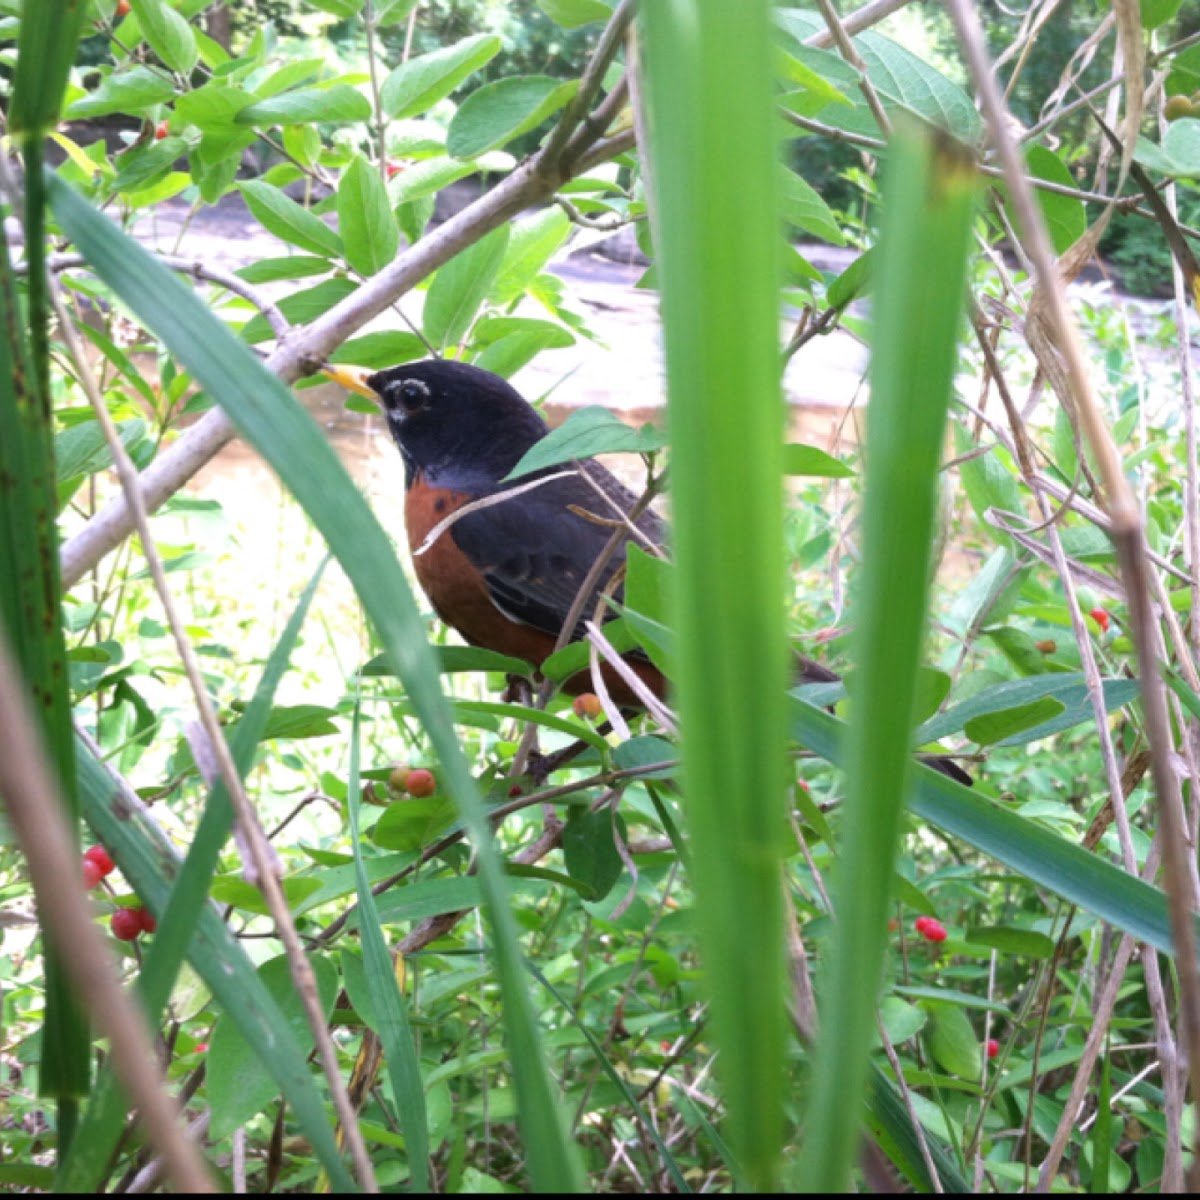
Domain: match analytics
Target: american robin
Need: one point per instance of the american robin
(506, 575)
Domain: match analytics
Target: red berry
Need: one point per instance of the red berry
(804, 784)
(161, 130)
(420, 783)
(930, 929)
(200, 1048)
(588, 706)
(149, 924)
(102, 859)
(893, 926)
(1101, 618)
(122, 9)
(126, 923)
(993, 1047)
(393, 169)
(1047, 647)
(515, 791)
(91, 874)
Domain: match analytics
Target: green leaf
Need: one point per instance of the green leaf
(532, 244)
(83, 449)
(903, 80)
(587, 432)
(365, 220)
(387, 348)
(299, 721)
(139, 168)
(421, 82)
(130, 91)
(573, 14)
(996, 726)
(511, 342)
(286, 219)
(167, 34)
(342, 9)
(339, 104)
(459, 288)
(799, 459)
(302, 307)
(851, 283)
(504, 109)
(233, 889)
(1066, 217)
(1158, 12)
(238, 1085)
(1025, 942)
(410, 824)
(1179, 155)
(1068, 688)
(590, 852)
(294, 266)
(951, 1041)
(804, 208)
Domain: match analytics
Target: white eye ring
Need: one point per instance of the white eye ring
(411, 394)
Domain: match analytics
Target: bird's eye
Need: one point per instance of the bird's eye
(411, 394)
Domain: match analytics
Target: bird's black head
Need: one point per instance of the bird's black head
(456, 424)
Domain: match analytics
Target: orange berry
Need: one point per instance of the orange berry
(122, 10)
(126, 923)
(1178, 106)
(420, 783)
(1047, 647)
(398, 779)
(588, 706)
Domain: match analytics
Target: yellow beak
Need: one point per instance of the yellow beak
(354, 379)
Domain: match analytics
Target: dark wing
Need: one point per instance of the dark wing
(536, 549)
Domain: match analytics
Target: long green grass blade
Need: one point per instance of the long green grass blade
(104, 1120)
(50, 32)
(929, 201)
(30, 613)
(713, 152)
(149, 863)
(391, 1014)
(271, 419)
(1029, 849)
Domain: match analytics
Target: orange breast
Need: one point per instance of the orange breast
(459, 595)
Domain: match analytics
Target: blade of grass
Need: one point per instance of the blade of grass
(30, 613)
(271, 419)
(928, 206)
(1062, 868)
(83, 1169)
(712, 148)
(391, 1012)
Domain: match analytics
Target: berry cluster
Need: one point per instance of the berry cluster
(417, 782)
(127, 923)
(930, 928)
